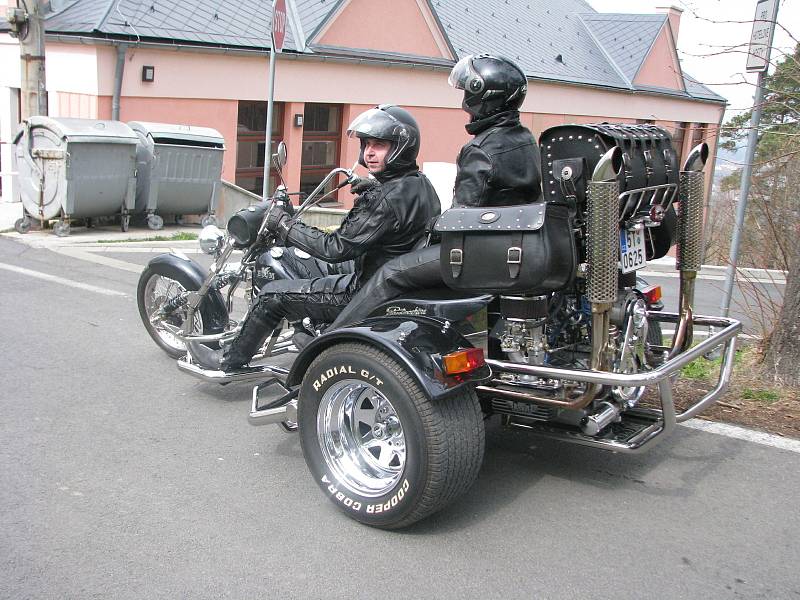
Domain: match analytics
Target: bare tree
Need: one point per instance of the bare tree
(772, 229)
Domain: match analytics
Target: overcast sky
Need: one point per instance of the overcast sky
(708, 27)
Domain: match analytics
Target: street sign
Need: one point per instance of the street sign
(761, 38)
(278, 24)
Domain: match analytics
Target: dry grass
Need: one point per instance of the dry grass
(750, 400)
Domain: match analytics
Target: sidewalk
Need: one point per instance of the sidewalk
(106, 236)
(110, 238)
(666, 265)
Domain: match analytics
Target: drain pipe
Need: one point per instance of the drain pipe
(118, 73)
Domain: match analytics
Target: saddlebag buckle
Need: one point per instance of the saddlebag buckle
(456, 261)
(514, 259)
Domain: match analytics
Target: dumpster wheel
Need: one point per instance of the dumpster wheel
(22, 225)
(61, 228)
(155, 222)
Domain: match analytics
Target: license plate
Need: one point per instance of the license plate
(631, 250)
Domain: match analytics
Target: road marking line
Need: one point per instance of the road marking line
(742, 433)
(61, 280)
(99, 259)
(706, 277)
(702, 333)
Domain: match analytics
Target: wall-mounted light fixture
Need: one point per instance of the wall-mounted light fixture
(148, 73)
(298, 120)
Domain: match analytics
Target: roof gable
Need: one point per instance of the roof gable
(547, 40)
(626, 39)
(661, 68)
(412, 30)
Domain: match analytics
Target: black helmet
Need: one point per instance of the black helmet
(491, 84)
(391, 123)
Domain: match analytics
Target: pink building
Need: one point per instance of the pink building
(209, 66)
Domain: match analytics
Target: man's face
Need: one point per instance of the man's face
(375, 152)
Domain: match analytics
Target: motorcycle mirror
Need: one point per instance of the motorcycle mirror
(279, 158)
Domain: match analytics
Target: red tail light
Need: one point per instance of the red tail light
(652, 294)
(463, 361)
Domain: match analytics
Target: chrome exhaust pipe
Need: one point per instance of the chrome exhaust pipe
(603, 232)
(690, 246)
(697, 158)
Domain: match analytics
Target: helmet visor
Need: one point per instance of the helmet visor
(376, 123)
(463, 74)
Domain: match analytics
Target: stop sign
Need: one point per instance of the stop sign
(278, 24)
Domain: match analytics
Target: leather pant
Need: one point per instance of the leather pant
(416, 270)
(321, 299)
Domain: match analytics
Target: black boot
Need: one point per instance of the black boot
(257, 326)
(205, 356)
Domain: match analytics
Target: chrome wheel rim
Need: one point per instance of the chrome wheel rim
(157, 291)
(361, 438)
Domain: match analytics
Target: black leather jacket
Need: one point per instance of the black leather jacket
(386, 221)
(500, 166)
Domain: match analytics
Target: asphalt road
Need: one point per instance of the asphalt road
(122, 478)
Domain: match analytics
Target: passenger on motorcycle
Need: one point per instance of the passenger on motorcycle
(499, 166)
(388, 219)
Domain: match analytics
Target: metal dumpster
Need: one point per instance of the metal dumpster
(74, 168)
(179, 171)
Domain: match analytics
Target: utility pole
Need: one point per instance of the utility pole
(27, 24)
(758, 61)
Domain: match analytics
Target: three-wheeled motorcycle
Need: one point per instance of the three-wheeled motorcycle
(543, 322)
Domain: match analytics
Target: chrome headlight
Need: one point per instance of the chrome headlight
(211, 239)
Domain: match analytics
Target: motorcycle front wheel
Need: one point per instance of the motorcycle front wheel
(154, 291)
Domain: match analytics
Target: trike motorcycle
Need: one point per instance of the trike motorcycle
(390, 409)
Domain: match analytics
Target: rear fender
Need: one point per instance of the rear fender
(418, 343)
(183, 268)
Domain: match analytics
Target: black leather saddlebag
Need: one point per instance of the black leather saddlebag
(522, 249)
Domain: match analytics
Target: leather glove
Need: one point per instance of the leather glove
(277, 220)
(362, 184)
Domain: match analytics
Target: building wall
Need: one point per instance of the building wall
(204, 88)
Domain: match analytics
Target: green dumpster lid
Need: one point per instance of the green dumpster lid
(188, 133)
(86, 130)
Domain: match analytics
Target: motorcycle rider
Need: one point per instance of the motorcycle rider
(388, 219)
(499, 166)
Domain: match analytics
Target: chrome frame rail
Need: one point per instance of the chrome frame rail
(660, 377)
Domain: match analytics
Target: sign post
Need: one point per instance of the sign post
(757, 60)
(278, 36)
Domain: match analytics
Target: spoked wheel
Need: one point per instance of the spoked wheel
(382, 451)
(155, 291)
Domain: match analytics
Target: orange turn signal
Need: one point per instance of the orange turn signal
(652, 294)
(463, 361)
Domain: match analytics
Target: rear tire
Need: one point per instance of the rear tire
(381, 450)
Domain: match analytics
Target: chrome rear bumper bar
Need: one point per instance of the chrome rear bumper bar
(667, 417)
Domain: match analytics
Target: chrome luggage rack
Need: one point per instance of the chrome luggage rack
(642, 200)
(665, 419)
